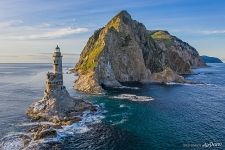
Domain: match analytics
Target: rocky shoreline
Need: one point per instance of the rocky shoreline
(57, 108)
(41, 135)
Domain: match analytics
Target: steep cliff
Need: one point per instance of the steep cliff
(124, 51)
(179, 55)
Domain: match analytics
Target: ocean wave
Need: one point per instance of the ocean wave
(12, 141)
(119, 122)
(82, 126)
(6, 72)
(123, 106)
(175, 83)
(35, 123)
(14, 67)
(128, 87)
(189, 84)
(133, 97)
(124, 115)
(15, 141)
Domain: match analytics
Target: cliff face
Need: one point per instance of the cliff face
(179, 55)
(113, 55)
(123, 51)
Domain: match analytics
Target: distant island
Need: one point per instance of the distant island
(125, 51)
(209, 59)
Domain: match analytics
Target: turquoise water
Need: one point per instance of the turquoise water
(181, 116)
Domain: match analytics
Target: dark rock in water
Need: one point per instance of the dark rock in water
(43, 132)
(167, 75)
(53, 145)
(125, 51)
(208, 59)
(26, 140)
(18, 141)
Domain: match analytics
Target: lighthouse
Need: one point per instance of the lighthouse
(54, 79)
(57, 61)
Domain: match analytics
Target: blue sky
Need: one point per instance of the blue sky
(31, 28)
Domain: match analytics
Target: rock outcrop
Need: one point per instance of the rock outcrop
(167, 75)
(125, 51)
(58, 107)
(179, 55)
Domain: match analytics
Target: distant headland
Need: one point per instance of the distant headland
(209, 59)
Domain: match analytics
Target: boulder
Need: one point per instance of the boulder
(44, 132)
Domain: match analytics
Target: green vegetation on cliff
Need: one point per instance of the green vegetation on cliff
(92, 53)
(125, 51)
(96, 45)
(162, 36)
(90, 61)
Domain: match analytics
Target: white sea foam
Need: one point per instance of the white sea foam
(115, 115)
(6, 72)
(189, 84)
(35, 123)
(8, 67)
(128, 87)
(82, 126)
(14, 144)
(120, 122)
(133, 97)
(122, 105)
(12, 141)
(79, 127)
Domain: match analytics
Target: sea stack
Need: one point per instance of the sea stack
(125, 51)
(57, 105)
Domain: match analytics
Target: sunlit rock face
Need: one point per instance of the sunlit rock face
(125, 51)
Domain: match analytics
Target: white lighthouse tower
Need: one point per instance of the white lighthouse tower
(57, 61)
(54, 79)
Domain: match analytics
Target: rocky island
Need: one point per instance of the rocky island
(125, 51)
(57, 105)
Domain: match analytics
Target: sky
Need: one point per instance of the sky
(31, 29)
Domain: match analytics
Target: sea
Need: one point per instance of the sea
(133, 117)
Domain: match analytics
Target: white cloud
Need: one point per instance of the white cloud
(207, 32)
(10, 23)
(37, 58)
(51, 34)
(16, 30)
(196, 31)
